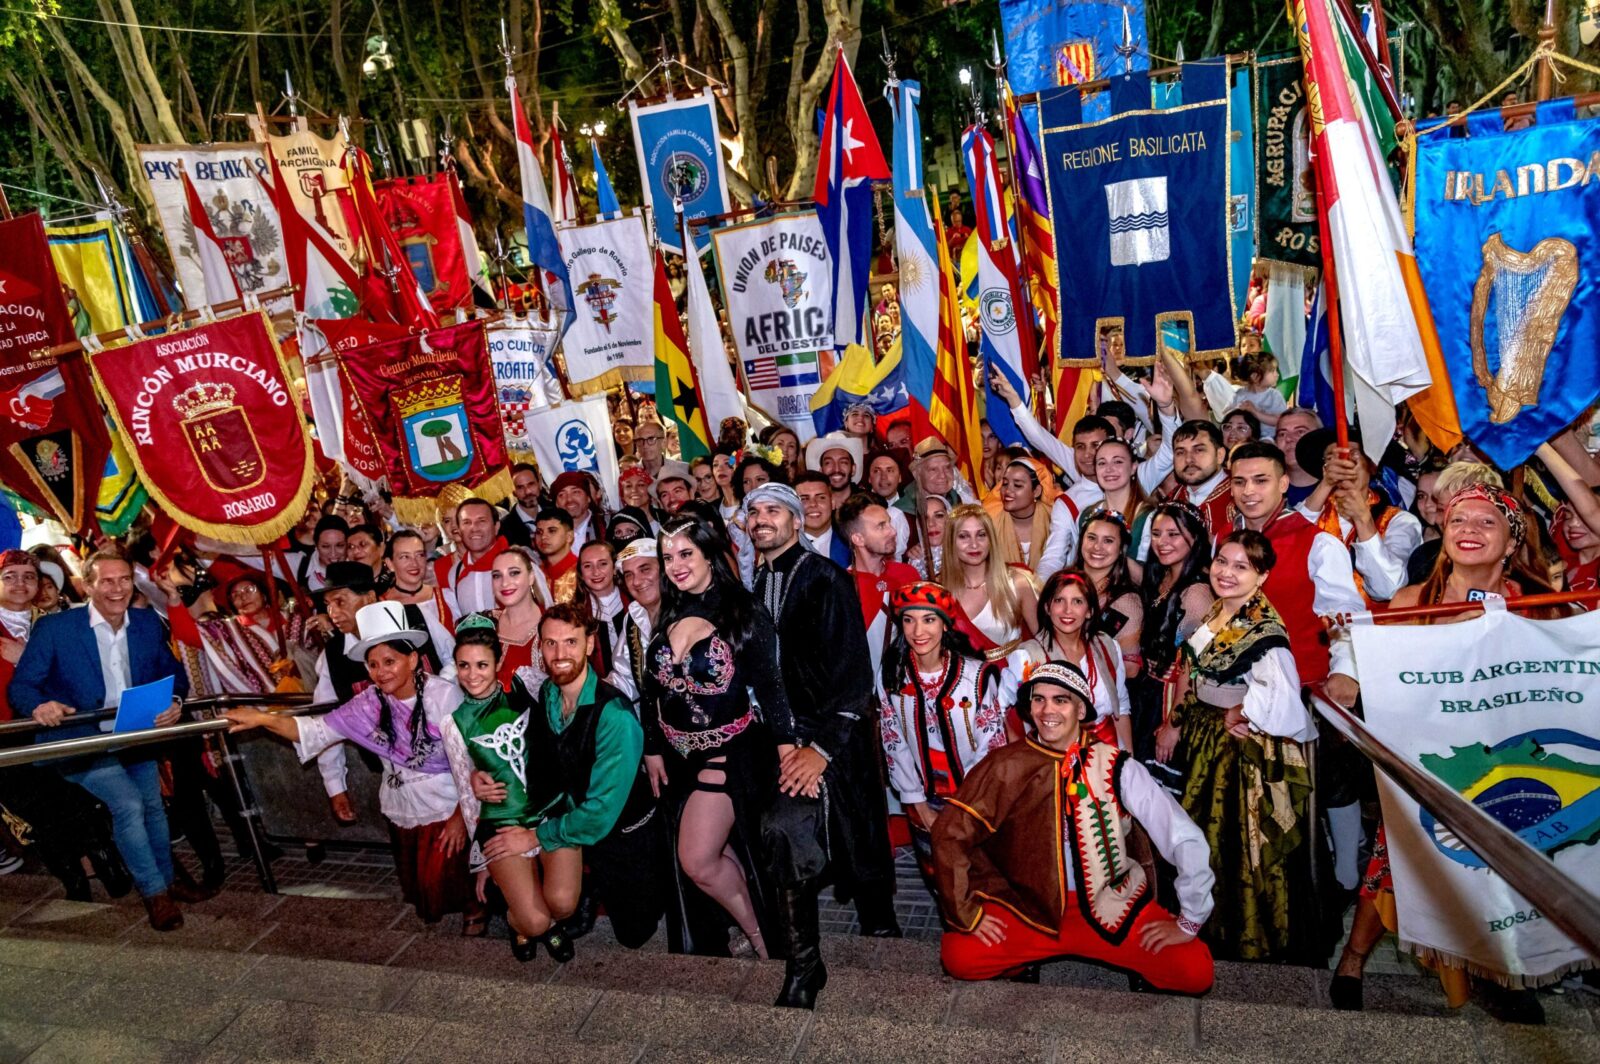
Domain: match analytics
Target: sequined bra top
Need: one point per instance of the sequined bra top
(701, 700)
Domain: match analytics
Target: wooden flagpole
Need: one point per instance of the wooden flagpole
(73, 347)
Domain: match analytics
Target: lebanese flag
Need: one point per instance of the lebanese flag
(221, 285)
(1390, 344)
(326, 285)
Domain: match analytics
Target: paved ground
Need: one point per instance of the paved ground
(356, 873)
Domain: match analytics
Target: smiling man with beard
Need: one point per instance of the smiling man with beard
(830, 811)
(588, 735)
(1197, 460)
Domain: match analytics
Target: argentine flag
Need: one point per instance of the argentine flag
(917, 250)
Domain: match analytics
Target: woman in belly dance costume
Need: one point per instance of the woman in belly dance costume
(704, 739)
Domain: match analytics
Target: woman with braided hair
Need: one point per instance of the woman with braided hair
(399, 719)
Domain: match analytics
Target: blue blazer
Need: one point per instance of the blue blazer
(62, 663)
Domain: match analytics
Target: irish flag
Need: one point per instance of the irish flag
(1390, 345)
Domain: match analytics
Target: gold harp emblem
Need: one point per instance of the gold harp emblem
(1529, 293)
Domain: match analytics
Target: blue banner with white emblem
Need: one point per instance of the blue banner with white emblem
(1506, 244)
(1140, 208)
(680, 157)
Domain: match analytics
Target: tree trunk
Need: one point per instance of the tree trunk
(744, 100)
(166, 124)
(1214, 35)
(114, 112)
(56, 137)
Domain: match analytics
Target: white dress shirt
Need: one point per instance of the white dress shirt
(1381, 560)
(1272, 693)
(113, 645)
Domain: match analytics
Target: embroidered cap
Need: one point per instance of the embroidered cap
(638, 548)
(925, 595)
(1059, 674)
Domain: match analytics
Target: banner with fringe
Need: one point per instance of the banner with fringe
(430, 400)
(612, 335)
(213, 425)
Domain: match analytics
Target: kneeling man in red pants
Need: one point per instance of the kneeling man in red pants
(1032, 861)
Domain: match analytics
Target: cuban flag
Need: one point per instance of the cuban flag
(1007, 319)
(917, 250)
(543, 251)
(850, 160)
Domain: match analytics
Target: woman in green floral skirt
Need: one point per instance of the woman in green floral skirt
(1243, 728)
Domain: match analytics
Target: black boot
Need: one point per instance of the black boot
(581, 922)
(74, 882)
(109, 869)
(803, 974)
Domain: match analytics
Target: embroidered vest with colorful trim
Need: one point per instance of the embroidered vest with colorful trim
(1214, 507)
(955, 697)
(1111, 885)
(1292, 592)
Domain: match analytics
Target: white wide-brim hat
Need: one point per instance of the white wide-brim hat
(382, 622)
(837, 441)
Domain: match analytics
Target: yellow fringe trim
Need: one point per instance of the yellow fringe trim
(418, 510)
(610, 379)
(235, 532)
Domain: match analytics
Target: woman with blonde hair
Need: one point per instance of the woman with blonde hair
(999, 598)
(1019, 505)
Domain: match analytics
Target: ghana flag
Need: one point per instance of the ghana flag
(677, 388)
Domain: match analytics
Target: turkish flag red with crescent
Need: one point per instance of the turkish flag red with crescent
(53, 440)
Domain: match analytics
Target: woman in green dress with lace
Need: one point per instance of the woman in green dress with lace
(488, 733)
(1244, 728)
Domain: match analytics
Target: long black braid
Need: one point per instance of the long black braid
(421, 742)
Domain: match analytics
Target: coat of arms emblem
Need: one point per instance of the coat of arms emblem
(220, 437)
(601, 295)
(433, 419)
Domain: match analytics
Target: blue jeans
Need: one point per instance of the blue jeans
(131, 789)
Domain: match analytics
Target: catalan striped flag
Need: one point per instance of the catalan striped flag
(953, 408)
(677, 388)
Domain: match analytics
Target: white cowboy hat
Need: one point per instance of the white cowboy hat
(836, 441)
(382, 622)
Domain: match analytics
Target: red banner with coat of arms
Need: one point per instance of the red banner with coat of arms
(213, 426)
(431, 402)
(53, 441)
(421, 211)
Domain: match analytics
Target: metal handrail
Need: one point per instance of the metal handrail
(296, 705)
(212, 702)
(1560, 899)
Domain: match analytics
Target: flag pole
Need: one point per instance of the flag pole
(1330, 287)
(130, 332)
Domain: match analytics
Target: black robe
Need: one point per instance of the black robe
(827, 673)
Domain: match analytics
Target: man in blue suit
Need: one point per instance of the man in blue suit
(81, 661)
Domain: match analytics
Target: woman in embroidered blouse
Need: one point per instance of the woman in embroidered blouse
(1248, 785)
(1067, 608)
(705, 741)
(941, 709)
(398, 719)
(488, 733)
(516, 613)
(999, 598)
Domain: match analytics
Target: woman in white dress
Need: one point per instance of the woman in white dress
(999, 598)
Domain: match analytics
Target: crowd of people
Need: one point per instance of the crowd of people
(702, 695)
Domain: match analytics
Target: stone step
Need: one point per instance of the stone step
(253, 976)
